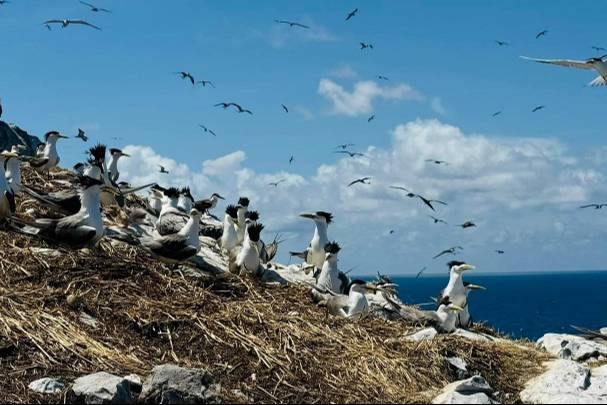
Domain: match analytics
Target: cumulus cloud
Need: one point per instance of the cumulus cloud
(523, 193)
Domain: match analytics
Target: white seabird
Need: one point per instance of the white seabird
(12, 167)
(177, 247)
(208, 204)
(597, 64)
(329, 278)
(354, 302)
(455, 290)
(185, 203)
(248, 256)
(113, 172)
(444, 319)
(7, 196)
(48, 158)
(229, 237)
(171, 219)
(315, 253)
(464, 318)
(243, 205)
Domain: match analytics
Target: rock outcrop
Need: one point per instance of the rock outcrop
(103, 388)
(571, 347)
(13, 135)
(474, 390)
(170, 384)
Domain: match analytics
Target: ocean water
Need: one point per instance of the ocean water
(525, 305)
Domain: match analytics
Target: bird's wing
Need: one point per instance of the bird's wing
(354, 182)
(399, 188)
(82, 22)
(104, 9)
(171, 223)
(599, 81)
(53, 22)
(589, 206)
(301, 25)
(427, 202)
(562, 62)
(444, 252)
(87, 4)
(439, 202)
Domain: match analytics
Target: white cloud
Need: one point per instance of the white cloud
(523, 193)
(344, 72)
(360, 100)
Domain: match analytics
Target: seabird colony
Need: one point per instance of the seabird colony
(171, 221)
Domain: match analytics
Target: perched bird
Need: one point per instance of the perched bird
(12, 167)
(539, 107)
(380, 77)
(315, 254)
(82, 135)
(208, 204)
(185, 202)
(329, 279)
(276, 183)
(49, 158)
(291, 24)
(464, 317)
(438, 220)
(365, 46)
(113, 172)
(155, 200)
(353, 303)
(66, 22)
(7, 195)
(94, 8)
(467, 224)
(351, 14)
(541, 34)
(363, 180)
(284, 107)
(444, 319)
(456, 290)
(187, 75)
(595, 206)
(371, 118)
(450, 251)
(177, 247)
(351, 154)
(248, 259)
(205, 82)
(597, 64)
(229, 237)
(171, 219)
(85, 228)
(163, 170)
(205, 129)
(241, 214)
(501, 43)
(495, 114)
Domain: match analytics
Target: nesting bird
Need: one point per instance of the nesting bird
(456, 290)
(113, 172)
(329, 278)
(48, 158)
(248, 259)
(170, 220)
(177, 247)
(315, 253)
(229, 237)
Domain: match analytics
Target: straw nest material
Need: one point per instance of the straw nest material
(113, 308)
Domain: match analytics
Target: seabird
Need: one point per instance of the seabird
(223, 105)
(501, 43)
(450, 251)
(329, 279)
(82, 135)
(85, 228)
(344, 146)
(455, 290)
(170, 220)
(229, 238)
(380, 77)
(362, 180)
(187, 75)
(291, 159)
(66, 22)
(7, 195)
(495, 114)
(467, 224)
(595, 206)
(177, 247)
(205, 82)
(354, 303)
(276, 183)
(371, 118)
(207, 130)
(541, 34)
(208, 204)
(437, 162)
(155, 199)
(351, 154)
(500, 252)
(185, 202)
(351, 14)
(163, 170)
(425, 200)
(248, 257)
(12, 168)
(284, 107)
(539, 107)
(438, 220)
(315, 254)
(113, 172)
(291, 24)
(464, 318)
(444, 319)
(597, 64)
(599, 49)
(94, 8)
(49, 158)
(365, 46)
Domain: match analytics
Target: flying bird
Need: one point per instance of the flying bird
(438, 220)
(419, 273)
(467, 224)
(223, 105)
(501, 43)
(187, 75)
(450, 251)
(495, 114)
(291, 24)
(437, 162)
(371, 118)
(94, 8)
(365, 46)
(284, 107)
(3, 2)
(205, 82)
(351, 154)
(500, 252)
(425, 200)
(595, 206)
(539, 107)
(82, 135)
(597, 64)
(541, 34)
(344, 146)
(380, 77)
(291, 159)
(599, 48)
(363, 180)
(243, 110)
(205, 129)
(163, 170)
(276, 183)
(65, 23)
(351, 14)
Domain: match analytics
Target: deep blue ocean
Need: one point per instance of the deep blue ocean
(525, 306)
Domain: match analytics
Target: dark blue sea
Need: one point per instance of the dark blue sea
(525, 306)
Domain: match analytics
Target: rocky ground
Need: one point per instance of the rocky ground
(114, 325)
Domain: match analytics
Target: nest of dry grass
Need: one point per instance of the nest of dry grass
(262, 344)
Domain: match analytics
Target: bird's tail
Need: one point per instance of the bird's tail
(599, 81)
(37, 196)
(302, 255)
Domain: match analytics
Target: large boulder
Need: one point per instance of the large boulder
(474, 390)
(571, 347)
(13, 135)
(171, 384)
(567, 382)
(103, 388)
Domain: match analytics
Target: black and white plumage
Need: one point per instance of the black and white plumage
(248, 258)
(177, 247)
(292, 24)
(450, 251)
(7, 195)
(456, 289)
(209, 203)
(49, 157)
(229, 237)
(329, 277)
(67, 22)
(82, 135)
(113, 172)
(315, 253)
(444, 319)
(353, 303)
(171, 220)
(597, 64)
(362, 180)
(95, 8)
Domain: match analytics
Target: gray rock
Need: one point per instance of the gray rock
(47, 386)
(171, 384)
(103, 388)
(424, 334)
(567, 382)
(460, 367)
(474, 390)
(12, 135)
(480, 337)
(571, 347)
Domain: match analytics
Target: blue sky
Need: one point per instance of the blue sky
(442, 63)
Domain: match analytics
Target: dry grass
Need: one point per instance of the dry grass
(271, 344)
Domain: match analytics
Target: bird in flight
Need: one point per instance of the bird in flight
(495, 114)
(597, 64)
(187, 75)
(276, 183)
(94, 8)
(238, 107)
(419, 273)
(351, 154)
(291, 24)
(595, 206)
(344, 146)
(438, 220)
(243, 110)
(82, 135)
(425, 200)
(291, 159)
(501, 43)
(363, 180)
(163, 170)
(437, 162)
(223, 105)
(365, 46)
(467, 224)
(66, 23)
(380, 77)
(205, 129)
(500, 252)
(351, 14)
(3, 2)
(541, 34)
(205, 82)
(371, 118)
(284, 107)
(599, 48)
(539, 107)
(450, 251)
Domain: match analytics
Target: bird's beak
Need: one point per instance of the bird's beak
(476, 287)
(372, 287)
(126, 155)
(467, 267)
(62, 136)
(455, 308)
(220, 197)
(308, 215)
(110, 190)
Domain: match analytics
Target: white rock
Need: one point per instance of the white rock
(474, 390)
(424, 334)
(460, 366)
(103, 388)
(567, 382)
(457, 398)
(603, 331)
(134, 379)
(572, 347)
(47, 386)
(480, 337)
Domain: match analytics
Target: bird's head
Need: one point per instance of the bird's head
(232, 211)
(254, 231)
(459, 267)
(215, 195)
(331, 251)
(445, 305)
(171, 193)
(118, 153)
(53, 136)
(244, 202)
(97, 152)
(195, 214)
(318, 217)
(252, 215)
(186, 193)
